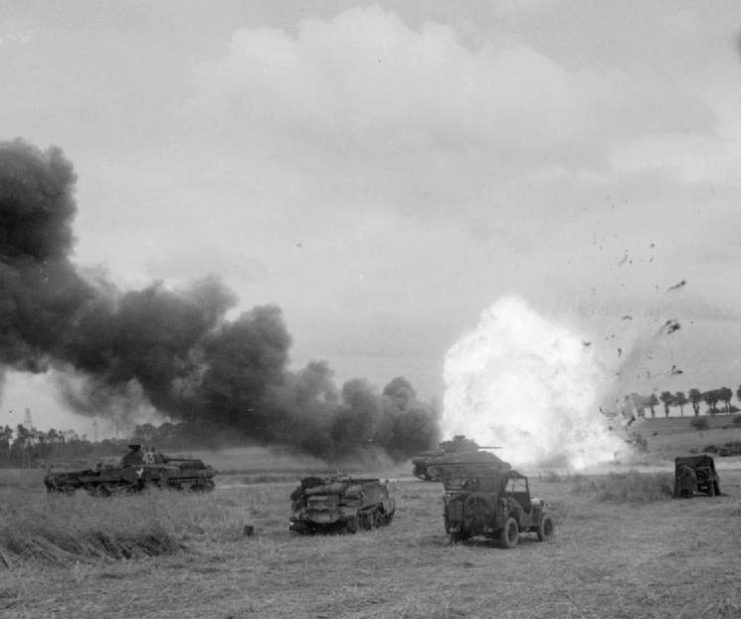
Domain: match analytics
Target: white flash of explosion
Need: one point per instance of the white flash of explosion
(528, 385)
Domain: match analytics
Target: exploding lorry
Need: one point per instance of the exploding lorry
(339, 502)
(489, 499)
(138, 470)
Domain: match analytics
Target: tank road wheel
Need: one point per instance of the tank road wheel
(546, 529)
(510, 533)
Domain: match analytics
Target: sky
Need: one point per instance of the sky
(386, 171)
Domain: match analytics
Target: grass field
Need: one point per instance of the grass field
(613, 555)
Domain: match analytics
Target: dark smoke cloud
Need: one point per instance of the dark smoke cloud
(117, 351)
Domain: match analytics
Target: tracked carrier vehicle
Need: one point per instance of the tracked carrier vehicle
(138, 470)
(489, 500)
(337, 502)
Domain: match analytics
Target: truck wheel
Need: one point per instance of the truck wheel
(546, 529)
(510, 533)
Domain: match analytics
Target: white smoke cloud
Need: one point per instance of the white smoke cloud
(529, 386)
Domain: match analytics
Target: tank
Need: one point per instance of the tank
(338, 502)
(458, 446)
(140, 468)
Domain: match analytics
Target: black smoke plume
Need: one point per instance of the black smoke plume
(174, 350)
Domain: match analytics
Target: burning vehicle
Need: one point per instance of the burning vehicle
(138, 470)
(338, 502)
(695, 475)
(489, 500)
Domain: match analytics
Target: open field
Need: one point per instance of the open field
(164, 554)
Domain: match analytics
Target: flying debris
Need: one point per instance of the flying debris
(677, 286)
(670, 326)
(620, 352)
(675, 370)
(586, 344)
(627, 317)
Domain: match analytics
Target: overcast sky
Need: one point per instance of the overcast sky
(386, 171)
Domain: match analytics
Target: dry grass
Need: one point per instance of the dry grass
(620, 550)
(645, 559)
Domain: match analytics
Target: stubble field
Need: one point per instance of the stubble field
(648, 558)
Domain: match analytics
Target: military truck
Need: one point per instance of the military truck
(139, 469)
(422, 463)
(695, 475)
(338, 502)
(483, 499)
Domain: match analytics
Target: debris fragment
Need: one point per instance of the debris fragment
(670, 326)
(677, 286)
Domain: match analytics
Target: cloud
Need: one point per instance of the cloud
(367, 77)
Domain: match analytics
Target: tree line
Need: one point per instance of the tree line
(716, 400)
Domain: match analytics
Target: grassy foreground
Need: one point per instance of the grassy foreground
(614, 555)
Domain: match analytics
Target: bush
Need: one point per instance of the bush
(631, 487)
(699, 423)
(737, 421)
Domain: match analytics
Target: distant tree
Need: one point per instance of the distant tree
(711, 399)
(695, 398)
(667, 399)
(738, 393)
(652, 402)
(680, 401)
(6, 438)
(725, 395)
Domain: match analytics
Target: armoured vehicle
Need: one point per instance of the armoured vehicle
(139, 469)
(422, 464)
(695, 475)
(483, 499)
(338, 502)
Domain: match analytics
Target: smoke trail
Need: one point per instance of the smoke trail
(528, 385)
